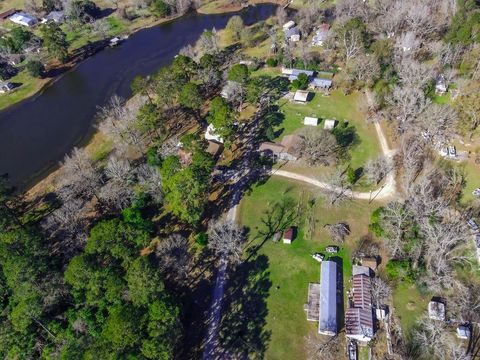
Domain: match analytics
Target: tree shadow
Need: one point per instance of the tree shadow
(242, 331)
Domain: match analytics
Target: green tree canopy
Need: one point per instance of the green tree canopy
(239, 73)
(54, 40)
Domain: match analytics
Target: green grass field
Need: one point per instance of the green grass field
(409, 304)
(291, 267)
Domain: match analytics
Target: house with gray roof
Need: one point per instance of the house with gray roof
(328, 299)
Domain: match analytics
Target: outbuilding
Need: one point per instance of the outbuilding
(288, 236)
(464, 332)
(288, 25)
(301, 96)
(436, 309)
(310, 121)
(23, 19)
(321, 84)
(330, 124)
(328, 299)
(212, 136)
(321, 35)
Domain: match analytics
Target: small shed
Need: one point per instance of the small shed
(214, 148)
(23, 19)
(330, 124)
(288, 25)
(310, 121)
(436, 309)
(441, 85)
(464, 332)
(371, 262)
(301, 96)
(288, 236)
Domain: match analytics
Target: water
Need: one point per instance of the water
(37, 133)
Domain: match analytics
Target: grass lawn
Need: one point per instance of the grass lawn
(28, 86)
(409, 304)
(338, 107)
(291, 267)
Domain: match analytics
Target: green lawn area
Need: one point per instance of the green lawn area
(339, 107)
(291, 267)
(409, 304)
(28, 87)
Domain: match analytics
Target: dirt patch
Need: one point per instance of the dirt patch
(411, 306)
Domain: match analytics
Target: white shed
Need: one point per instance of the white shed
(311, 121)
(329, 124)
(301, 96)
(288, 25)
(23, 19)
(211, 136)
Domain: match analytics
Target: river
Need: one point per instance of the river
(36, 133)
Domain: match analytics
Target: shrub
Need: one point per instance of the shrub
(160, 8)
(201, 238)
(374, 226)
(400, 270)
(272, 62)
(301, 83)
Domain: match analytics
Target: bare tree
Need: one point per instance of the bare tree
(67, 219)
(226, 239)
(338, 231)
(408, 103)
(150, 181)
(364, 68)
(118, 192)
(80, 178)
(339, 189)
(321, 348)
(377, 169)
(174, 257)
(380, 292)
(281, 16)
(319, 147)
(208, 42)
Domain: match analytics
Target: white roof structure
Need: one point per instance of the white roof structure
(210, 134)
(288, 25)
(328, 299)
(55, 16)
(23, 19)
(329, 124)
(301, 96)
(311, 121)
(463, 332)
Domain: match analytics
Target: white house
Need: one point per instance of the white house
(211, 136)
(5, 87)
(288, 25)
(329, 124)
(23, 19)
(310, 121)
(301, 96)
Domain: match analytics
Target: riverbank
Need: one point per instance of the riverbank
(224, 6)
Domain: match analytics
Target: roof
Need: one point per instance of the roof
(292, 32)
(313, 305)
(362, 291)
(210, 134)
(301, 95)
(328, 298)
(7, 13)
(329, 124)
(214, 148)
(22, 18)
(321, 33)
(322, 83)
(271, 147)
(288, 234)
(359, 322)
(288, 25)
(297, 72)
(463, 331)
(358, 270)
(310, 121)
(56, 16)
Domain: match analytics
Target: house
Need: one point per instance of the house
(293, 73)
(6, 87)
(211, 136)
(371, 262)
(6, 14)
(329, 124)
(287, 149)
(441, 85)
(310, 121)
(293, 34)
(321, 35)
(320, 84)
(464, 332)
(23, 19)
(214, 149)
(288, 236)
(289, 25)
(328, 299)
(436, 309)
(301, 96)
(359, 324)
(55, 16)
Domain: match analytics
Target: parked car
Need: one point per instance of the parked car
(319, 257)
(332, 249)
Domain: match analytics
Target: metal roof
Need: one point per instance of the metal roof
(328, 298)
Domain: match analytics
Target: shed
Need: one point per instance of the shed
(301, 96)
(23, 19)
(328, 299)
(436, 309)
(329, 124)
(211, 135)
(441, 85)
(214, 148)
(464, 332)
(311, 121)
(288, 25)
(55, 16)
(288, 236)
